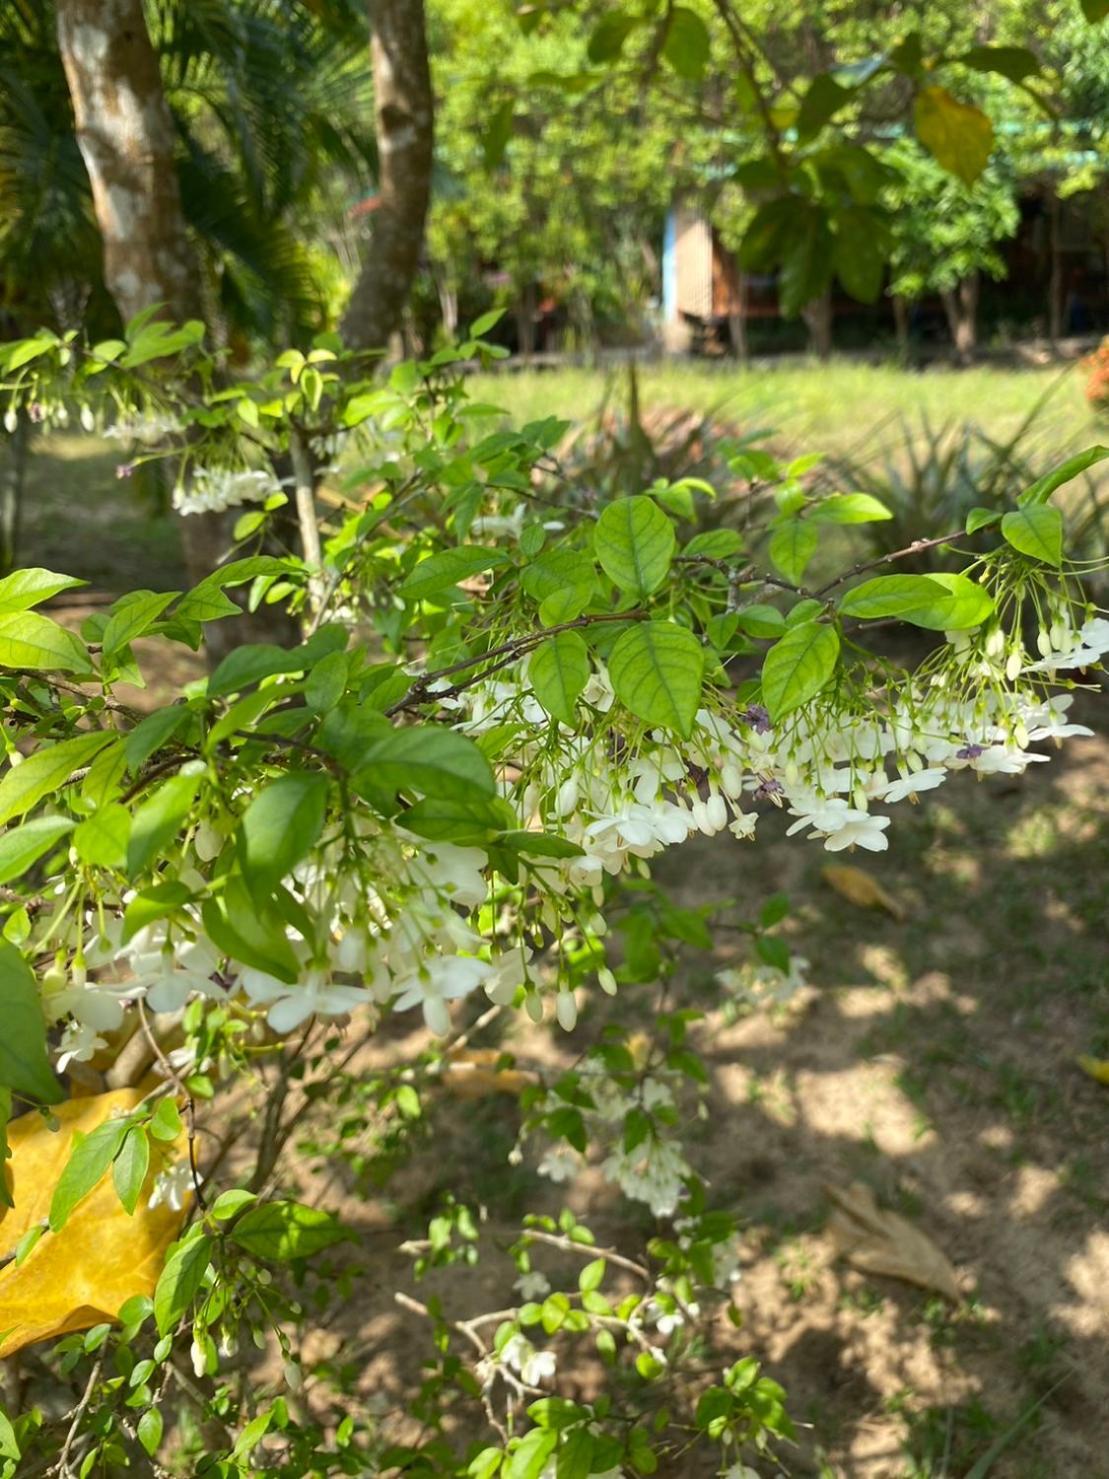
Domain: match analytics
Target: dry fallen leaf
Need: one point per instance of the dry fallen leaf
(1096, 1067)
(472, 1073)
(880, 1242)
(859, 887)
(81, 1275)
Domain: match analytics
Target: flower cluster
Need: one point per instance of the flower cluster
(213, 489)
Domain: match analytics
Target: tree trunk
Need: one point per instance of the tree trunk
(13, 477)
(1055, 284)
(901, 323)
(737, 322)
(961, 306)
(818, 320)
(126, 137)
(525, 322)
(404, 122)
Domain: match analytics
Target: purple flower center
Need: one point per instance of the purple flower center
(766, 788)
(757, 717)
(970, 752)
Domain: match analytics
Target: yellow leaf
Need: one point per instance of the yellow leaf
(958, 135)
(1096, 1067)
(880, 1242)
(859, 887)
(472, 1073)
(81, 1275)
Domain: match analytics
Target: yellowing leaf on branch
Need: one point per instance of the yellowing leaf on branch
(861, 888)
(79, 1276)
(958, 135)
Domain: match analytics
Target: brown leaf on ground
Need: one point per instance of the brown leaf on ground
(859, 887)
(77, 1277)
(473, 1073)
(880, 1242)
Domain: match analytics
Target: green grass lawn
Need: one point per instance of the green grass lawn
(80, 518)
(823, 407)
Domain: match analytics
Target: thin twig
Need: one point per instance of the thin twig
(62, 1465)
(190, 1103)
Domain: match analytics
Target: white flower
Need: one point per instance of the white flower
(441, 979)
(559, 1163)
(859, 829)
(911, 785)
(455, 872)
(532, 1285)
(534, 1366)
(172, 1186)
(314, 996)
(79, 1043)
(98, 1007)
(212, 489)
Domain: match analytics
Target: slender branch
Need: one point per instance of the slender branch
(304, 489)
(917, 547)
(190, 1103)
(589, 1250)
(62, 1465)
(512, 649)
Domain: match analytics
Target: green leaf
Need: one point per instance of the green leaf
(230, 1203)
(149, 1429)
(437, 762)
(558, 671)
(24, 1064)
(9, 1446)
(557, 572)
(938, 602)
(20, 847)
(609, 35)
(281, 825)
(1095, 10)
(255, 661)
(24, 588)
(486, 322)
(180, 1280)
(565, 605)
(165, 1122)
(158, 820)
(860, 252)
(152, 733)
(457, 818)
(592, 1275)
(634, 541)
(575, 1457)
(132, 615)
(686, 45)
(980, 518)
(441, 571)
(160, 902)
(798, 666)
(280, 1231)
(715, 544)
(1014, 62)
(792, 546)
(807, 261)
(88, 1161)
(656, 669)
(250, 935)
(849, 508)
(102, 838)
(823, 99)
(528, 1460)
(759, 620)
(130, 1167)
(34, 642)
(1035, 530)
(1042, 489)
(540, 844)
(958, 135)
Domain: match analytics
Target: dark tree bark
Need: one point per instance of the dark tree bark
(901, 323)
(404, 120)
(126, 137)
(818, 320)
(961, 306)
(1055, 282)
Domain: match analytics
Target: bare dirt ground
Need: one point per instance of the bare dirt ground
(933, 1060)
